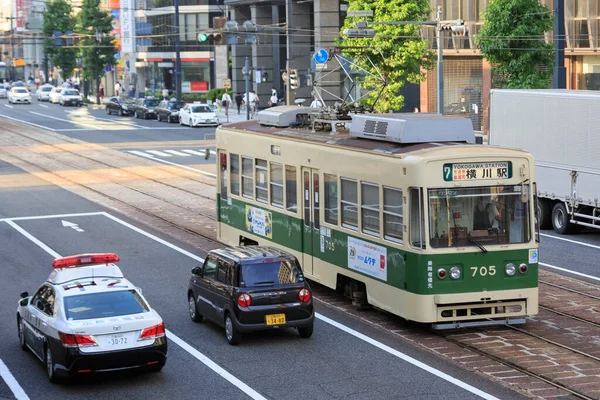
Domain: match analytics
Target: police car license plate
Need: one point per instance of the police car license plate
(117, 340)
(275, 319)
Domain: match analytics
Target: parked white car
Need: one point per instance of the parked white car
(70, 97)
(3, 92)
(19, 94)
(55, 95)
(43, 92)
(198, 115)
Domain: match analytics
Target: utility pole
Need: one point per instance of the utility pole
(247, 76)
(290, 51)
(177, 53)
(440, 63)
(12, 48)
(560, 73)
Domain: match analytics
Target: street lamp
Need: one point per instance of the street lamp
(12, 47)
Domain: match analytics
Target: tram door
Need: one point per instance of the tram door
(311, 223)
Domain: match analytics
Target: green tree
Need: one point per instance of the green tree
(512, 40)
(58, 17)
(97, 47)
(397, 51)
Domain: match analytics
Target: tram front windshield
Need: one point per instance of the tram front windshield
(479, 216)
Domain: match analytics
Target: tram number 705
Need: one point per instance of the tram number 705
(484, 271)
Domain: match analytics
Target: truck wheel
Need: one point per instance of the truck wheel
(560, 219)
(544, 213)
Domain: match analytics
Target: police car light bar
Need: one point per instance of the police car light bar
(85, 259)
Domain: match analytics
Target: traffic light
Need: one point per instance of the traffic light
(264, 77)
(293, 79)
(204, 37)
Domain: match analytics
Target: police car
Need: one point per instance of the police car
(88, 318)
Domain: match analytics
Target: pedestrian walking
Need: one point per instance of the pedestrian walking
(238, 101)
(252, 101)
(226, 102)
(273, 100)
(101, 92)
(117, 88)
(165, 94)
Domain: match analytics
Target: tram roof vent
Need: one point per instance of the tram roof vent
(412, 128)
(284, 116)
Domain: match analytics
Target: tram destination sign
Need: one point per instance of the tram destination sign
(477, 171)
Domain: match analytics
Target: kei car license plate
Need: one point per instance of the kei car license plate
(117, 340)
(275, 319)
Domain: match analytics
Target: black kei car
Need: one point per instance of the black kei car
(119, 106)
(245, 289)
(168, 110)
(144, 108)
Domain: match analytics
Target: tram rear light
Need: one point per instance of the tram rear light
(454, 272)
(441, 273)
(523, 268)
(244, 300)
(85, 259)
(510, 269)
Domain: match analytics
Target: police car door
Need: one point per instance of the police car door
(40, 313)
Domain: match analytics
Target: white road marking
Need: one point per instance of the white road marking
(570, 271)
(43, 105)
(159, 153)
(142, 154)
(177, 153)
(406, 358)
(139, 153)
(12, 383)
(64, 120)
(71, 225)
(28, 123)
(194, 152)
(181, 343)
(342, 327)
(570, 240)
(253, 394)
(76, 129)
(9, 106)
(118, 122)
(51, 216)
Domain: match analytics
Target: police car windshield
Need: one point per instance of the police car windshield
(105, 304)
(277, 272)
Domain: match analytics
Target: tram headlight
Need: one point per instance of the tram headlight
(510, 269)
(454, 272)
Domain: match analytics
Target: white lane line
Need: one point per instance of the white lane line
(63, 120)
(407, 358)
(185, 346)
(51, 216)
(177, 153)
(12, 383)
(253, 394)
(159, 153)
(148, 156)
(28, 123)
(35, 240)
(570, 241)
(43, 105)
(344, 328)
(194, 152)
(6, 105)
(76, 129)
(570, 271)
(118, 122)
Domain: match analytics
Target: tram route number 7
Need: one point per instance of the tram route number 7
(484, 271)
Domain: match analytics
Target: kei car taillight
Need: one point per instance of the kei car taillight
(244, 300)
(304, 295)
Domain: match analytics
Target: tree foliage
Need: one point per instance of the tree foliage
(58, 17)
(96, 53)
(397, 52)
(512, 40)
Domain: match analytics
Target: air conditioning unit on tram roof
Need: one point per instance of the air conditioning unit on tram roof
(283, 116)
(412, 128)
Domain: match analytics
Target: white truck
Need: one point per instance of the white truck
(561, 128)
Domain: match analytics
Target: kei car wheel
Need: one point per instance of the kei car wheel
(22, 340)
(50, 366)
(232, 335)
(306, 331)
(193, 309)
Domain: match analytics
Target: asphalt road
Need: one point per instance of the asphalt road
(344, 358)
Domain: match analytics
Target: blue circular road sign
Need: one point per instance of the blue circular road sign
(321, 56)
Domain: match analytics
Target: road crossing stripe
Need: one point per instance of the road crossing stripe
(6, 105)
(159, 153)
(175, 152)
(194, 152)
(140, 153)
(12, 383)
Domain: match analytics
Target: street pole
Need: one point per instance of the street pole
(177, 53)
(440, 64)
(12, 48)
(560, 73)
(290, 51)
(247, 69)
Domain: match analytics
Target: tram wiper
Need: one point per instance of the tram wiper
(476, 243)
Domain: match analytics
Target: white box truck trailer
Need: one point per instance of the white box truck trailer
(561, 128)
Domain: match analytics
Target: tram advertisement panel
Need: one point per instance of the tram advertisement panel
(259, 222)
(367, 258)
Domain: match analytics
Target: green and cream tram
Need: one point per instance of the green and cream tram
(403, 212)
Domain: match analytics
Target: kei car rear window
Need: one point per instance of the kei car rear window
(271, 272)
(102, 305)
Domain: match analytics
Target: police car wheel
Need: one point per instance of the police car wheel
(22, 340)
(194, 314)
(50, 366)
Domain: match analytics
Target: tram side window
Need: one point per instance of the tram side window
(223, 174)
(392, 214)
(331, 199)
(262, 191)
(369, 208)
(349, 203)
(247, 177)
(416, 219)
(276, 185)
(234, 161)
(290, 189)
